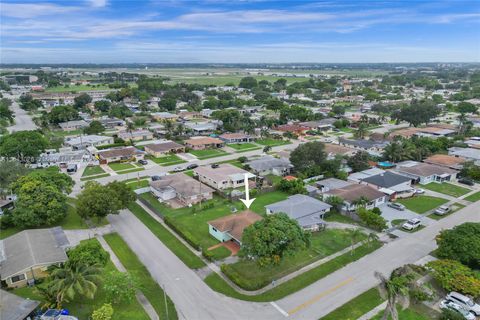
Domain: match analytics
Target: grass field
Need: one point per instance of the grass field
(168, 239)
(61, 133)
(272, 142)
(75, 88)
(167, 160)
(137, 184)
(356, 307)
(119, 166)
(220, 253)
(250, 276)
(473, 197)
(148, 285)
(92, 170)
(243, 147)
(305, 279)
(82, 307)
(422, 204)
(103, 175)
(454, 208)
(208, 153)
(447, 188)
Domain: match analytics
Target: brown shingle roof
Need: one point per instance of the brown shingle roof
(119, 152)
(234, 136)
(354, 192)
(445, 160)
(184, 185)
(203, 140)
(234, 224)
(337, 149)
(425, 170)
(164, 147)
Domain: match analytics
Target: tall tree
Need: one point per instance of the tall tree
(25, 146)
(462, 243)
(95, 127)
(309, 156)
(395, 290)
(82, 100)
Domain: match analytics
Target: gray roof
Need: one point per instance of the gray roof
(362, 143)
(268, 163)
(468, 153)
(386, 179)
(299, 207)
(30, 248)
(184, 185)
(332, 183)
(13, 307)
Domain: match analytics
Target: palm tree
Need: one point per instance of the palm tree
(393, 152)
(361, 202)
(267, 149)
(371, 238)
(264, 133)
(395, 290)
(354, 235)
(361, 131)
(74, 278)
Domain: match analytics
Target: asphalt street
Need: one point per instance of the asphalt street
(23, 121)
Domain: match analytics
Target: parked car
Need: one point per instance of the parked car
(464, 301)
(143, 162)
(396, 205)
(192, 166)
(155, 178)
(419, 191)
(466, 181)
(447, 304)
(178, 169)
(442, 210)
(412, 224)
(215, 165)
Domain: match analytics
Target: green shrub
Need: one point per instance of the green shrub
(184, 234)
(89, 253)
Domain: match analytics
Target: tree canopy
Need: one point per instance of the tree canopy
(309, 157)
(95, 127)
(248, 83)
(25, 146)
(62, 114)
(82, 100)
(417, 112)
(462, 243)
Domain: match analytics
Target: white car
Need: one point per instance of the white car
(419, 191)
(178, 169)
(412, 224)
(464, 301)
(447, 304)
(442, 210)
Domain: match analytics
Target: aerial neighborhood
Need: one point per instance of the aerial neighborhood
(152, 193)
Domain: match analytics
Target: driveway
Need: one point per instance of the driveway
(391, 214)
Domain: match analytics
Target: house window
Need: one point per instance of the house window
(214, 229)
(20, 277)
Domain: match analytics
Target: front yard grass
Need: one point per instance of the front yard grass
(208, 153)
(168, 239)
(250, 276)
(119, 166)
(356, 307)
(447, 188)
(473, 197)
(167, 160)
(148, 285)
(137, 184)
(422, 204)
(98, 176)
(92, 170)
(243, 147)
(293, 285)
(272, 142)
(220, 253)
(454, 208)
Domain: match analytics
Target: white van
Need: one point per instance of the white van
(465, 302)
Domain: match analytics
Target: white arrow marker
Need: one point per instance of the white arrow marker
(247, 202)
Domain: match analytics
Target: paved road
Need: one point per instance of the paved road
(23, 121)
(195, 300)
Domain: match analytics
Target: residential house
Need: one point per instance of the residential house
(120, 154)
(447, 161)
(201, 143)
(206, 113)
(307, 211)
(235, 137)
(392, 184)
(223, 177)
(111, 123)
(73, 125)
(424, 173)
(163, 148)
(14, 307)
(64, 156)
(329, 184)
(371, 146)
(25, 256)
(83, 142)
(162, 116)
(231, 227)
(293, 128)
(202, 128)
(180, 190)
(136, 135)
(322, 125)
(335, 149)
(357, 177)
(352, 193)
(270, 165)
(469, 154)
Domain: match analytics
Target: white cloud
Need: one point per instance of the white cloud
(30, 10)
(98, 3)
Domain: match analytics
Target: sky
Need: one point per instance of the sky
(239, 31)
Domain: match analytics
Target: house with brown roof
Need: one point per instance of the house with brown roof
(120, 154)
(231, 227)
(350, 194)
(201, 143)
(444, 160)
(293, 128)
(424, 173)
(163, 148)
(235, 137)
(179, 190)
(225, 176)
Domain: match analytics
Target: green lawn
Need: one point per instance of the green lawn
(167, 160)
(137, 184)
(119, 166)
(103, 175)
(61, 133)
(220, 253)
(75, 88)
(422, 204)
(250, 276)
(272, 142)
(194, 223)
(447, 188)
(305, 279)
(208, 153)
(148, 285)
(473, 197)
(454, 208)
(356, 307)
(239, 147)
(92, 170)
(82, 307)
(168, 239)
(410, 313)
(337, 217)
